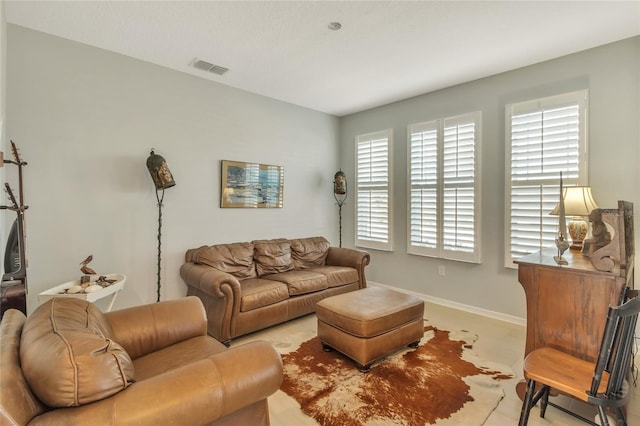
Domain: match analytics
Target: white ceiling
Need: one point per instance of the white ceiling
(386, 50)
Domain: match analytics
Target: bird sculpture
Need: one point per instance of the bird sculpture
(84, 268)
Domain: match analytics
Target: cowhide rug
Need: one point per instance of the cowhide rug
(442, 382)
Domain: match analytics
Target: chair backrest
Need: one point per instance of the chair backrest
(615, 355)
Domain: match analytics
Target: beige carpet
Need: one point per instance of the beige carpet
(442, 382)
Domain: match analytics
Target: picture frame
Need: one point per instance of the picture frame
(251, 185)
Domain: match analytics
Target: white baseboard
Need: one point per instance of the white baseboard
(459, 306)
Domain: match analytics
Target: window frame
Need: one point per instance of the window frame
(581, 99)
(361, 241)
(440, 184)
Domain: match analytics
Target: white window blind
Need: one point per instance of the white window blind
(545, 137)
(373, 213)
(423, 174)
(444, 182)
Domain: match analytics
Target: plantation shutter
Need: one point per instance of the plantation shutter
(546, 137)
(459, 185)
(372, 192)
(443, 212)
(423, 216)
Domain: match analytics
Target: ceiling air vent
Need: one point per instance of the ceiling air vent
(209, 67)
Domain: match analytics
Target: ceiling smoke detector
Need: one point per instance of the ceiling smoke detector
(209, 67)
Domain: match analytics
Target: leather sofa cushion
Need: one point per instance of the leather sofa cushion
(337, 275)
(300, 282)
(235, 259)
(257, 292)
(309, 252)
(272, 256)
(68, 357)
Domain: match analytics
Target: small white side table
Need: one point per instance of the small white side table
(111, 290)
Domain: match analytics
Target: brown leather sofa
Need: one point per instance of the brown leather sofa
(250, 286)
(70, 364)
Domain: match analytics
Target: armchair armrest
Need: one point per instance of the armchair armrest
(148, 328)
(342, 256)
(196, 393)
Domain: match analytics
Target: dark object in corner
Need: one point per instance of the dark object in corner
(14, 280)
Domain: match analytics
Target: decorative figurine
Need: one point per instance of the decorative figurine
(562, 244)
(85, 269)
(600, 235)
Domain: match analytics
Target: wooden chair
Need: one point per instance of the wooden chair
(603, 383)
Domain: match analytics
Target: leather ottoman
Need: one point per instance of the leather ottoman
(370, 323)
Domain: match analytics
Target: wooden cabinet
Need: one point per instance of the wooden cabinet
(567, 304)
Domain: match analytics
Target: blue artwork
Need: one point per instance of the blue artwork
(251, 185)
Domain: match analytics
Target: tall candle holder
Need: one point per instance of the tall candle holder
(561, 241)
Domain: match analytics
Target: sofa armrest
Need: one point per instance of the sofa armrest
(197, 393)
(144, 329)
(211, 280)
(220, 293)
(358, 259)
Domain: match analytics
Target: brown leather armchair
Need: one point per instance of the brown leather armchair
(146, 365)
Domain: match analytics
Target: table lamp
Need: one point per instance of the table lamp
(578, 202)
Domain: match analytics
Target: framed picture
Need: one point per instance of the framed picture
(251, 185)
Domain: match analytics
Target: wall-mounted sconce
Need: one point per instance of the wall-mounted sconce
(340, 194)
(162, 179)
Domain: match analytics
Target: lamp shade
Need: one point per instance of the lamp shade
(578, 201)
(159, 171)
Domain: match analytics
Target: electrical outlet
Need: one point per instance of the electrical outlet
(441, 270)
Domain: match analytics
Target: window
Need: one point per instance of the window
(444, 188)
(544, 137)
(373, 212)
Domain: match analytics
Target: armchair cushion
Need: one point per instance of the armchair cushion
(141, 330)
(68, 357)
